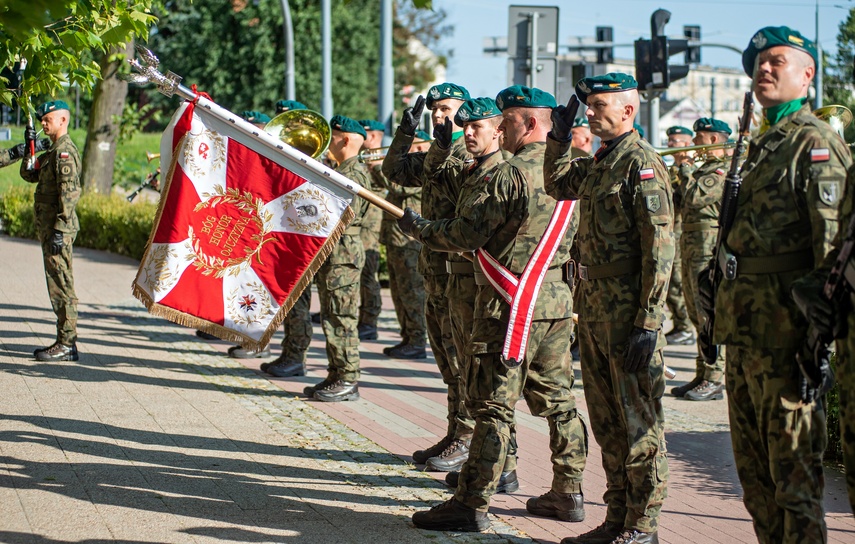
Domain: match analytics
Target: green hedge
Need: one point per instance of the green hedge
(109, 223)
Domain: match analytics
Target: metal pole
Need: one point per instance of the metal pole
(386, 92)
(653, 119)
(712, 97)
(288, 31)
(818, 76)
(533, 43)
(326, 60)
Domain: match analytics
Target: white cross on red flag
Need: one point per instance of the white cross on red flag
(238, 233)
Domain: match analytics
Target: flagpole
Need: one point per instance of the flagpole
(168, 85)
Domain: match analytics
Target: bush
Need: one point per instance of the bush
(108, 223)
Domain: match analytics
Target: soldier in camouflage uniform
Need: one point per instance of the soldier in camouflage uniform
(287, 105)
(506, 212)
(784, 224)
(701, 191)
(337, 279)
(627, 248)
(57, 175)
(583, 140)
(681, 332)
(370, 300)
(407, 169)
(14, 153)
(406, 284)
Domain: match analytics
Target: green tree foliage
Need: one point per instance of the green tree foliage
(56, 37)
(838, 80)
(234, 51)
(428, 27)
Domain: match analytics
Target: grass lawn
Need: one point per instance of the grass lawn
(131, 164)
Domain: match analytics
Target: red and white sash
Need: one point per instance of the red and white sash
(521, 293)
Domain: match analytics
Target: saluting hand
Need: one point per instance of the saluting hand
(442, 133)
(563, 118)
(412, 116)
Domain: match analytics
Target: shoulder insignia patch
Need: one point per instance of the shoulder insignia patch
(819, 154)
(65, 170)
(653, 203)
(829, 192)
(709, 181)
(646, 173)
(64, 155)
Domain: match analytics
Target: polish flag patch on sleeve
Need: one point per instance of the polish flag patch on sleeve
(719, 171)
(819, 154)
(63, 155)
(646, 173)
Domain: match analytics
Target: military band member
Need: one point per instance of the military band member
(627, 248)
(256, 118)
(407, 169)
(681, 333)
(583, 140)
(701, 190)
(57, 175)
(785, 222)
(506, 213)
(370, 300)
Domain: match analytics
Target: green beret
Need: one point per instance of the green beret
(48, 107)
(580, 122)
(708, 124)
(422, 135)
(255, 117)
(520, 96)
(638, 129)
(679, 130)
(443, 91)
(608, 83)
(371, 124)
(476, 109)
(346, 124)
(772, 36)
(286, 105)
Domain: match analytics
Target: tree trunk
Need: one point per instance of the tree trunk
(99, 153)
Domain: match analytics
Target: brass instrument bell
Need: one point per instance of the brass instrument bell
(837, 116)
(305, 130)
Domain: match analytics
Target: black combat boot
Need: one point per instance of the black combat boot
(452, 516)
(452, 457)
(338, 391)
(366, 331)
(407, 351)
(205, 336)
(388, 350)
(632, 536)
(284, 368)
(681, 390)
(508, 482)
(420, 457)
(564, 506)
(239, 352)
(606, 533)
(706, 390)
(310, 390)
(57, 352)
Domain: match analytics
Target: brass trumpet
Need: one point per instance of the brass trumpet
(151, 156)
(665, 151)
(379, 153)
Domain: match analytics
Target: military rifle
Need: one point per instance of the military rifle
(723, 265)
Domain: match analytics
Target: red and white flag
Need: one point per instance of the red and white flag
(238, 233)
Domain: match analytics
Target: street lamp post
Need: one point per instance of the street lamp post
(288, 31)
(818, 77)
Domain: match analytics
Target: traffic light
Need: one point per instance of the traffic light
(693, 34)
(605, 55)
(642, 64)
(662, 73)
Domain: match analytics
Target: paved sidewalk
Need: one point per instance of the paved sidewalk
(156, 436)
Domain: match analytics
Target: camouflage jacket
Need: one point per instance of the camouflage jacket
(625, 200)
(792, 182)
(402, 197)
(349, 248)
(57, 175)
(701, 192)
(677, 197)
(5, 159)
(505, 211)
(407, 169)
(371, 222)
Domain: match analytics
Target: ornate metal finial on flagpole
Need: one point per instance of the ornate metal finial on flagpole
(148, 72)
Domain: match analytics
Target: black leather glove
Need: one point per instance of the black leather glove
(639, 349)
(816, 377)
(411, 222)
(442, 133)
(412, 117)
(563, 118)
(42, 145)
(56, 243)
(30, 134)
(706, 296)
(707, 348)
(818, 311)
(16, 152)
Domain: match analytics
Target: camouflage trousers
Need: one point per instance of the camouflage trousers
(60, 285)
(408, 293)
(693, 265)
(298, 329)
(440, 334)
(846, 389)
(628, 421)
(460, 294)
(338, 290)
(369, 289)
(778, 443)
(675, 301)
(545, 380)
